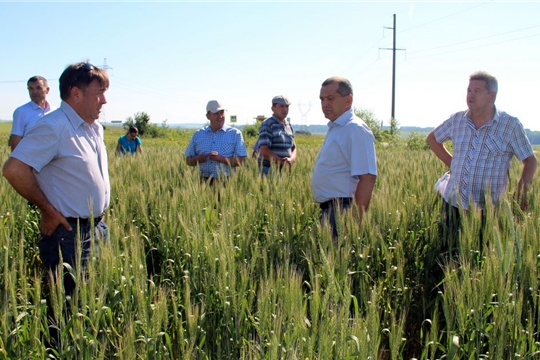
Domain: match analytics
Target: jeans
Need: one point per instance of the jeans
(452, 226)
(72, 245)
(328, 212)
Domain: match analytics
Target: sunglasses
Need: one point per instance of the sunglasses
(86, 67)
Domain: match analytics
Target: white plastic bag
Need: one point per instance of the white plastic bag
(440, 185)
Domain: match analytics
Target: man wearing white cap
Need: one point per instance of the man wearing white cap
(216, 148)
(276, 138)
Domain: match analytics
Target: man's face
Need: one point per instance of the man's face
(280, 111)
(91, 101)
(38, 91)
(478, 96)
(217, 120)
(332, 103)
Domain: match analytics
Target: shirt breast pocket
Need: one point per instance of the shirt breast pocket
(496, 145)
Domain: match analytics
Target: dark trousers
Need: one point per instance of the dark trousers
(74, 247)
(328, 212)
(71, 244)
(266, 167)
(452, 226)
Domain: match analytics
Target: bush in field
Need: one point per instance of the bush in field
(141, 120)
(150, 130)
(251, 130)
(387, 136)
(416, 141)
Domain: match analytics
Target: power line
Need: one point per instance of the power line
(411, 28)
(22, 81)
(478, 39)
(365, 54)
(476, 47)
(444, 17)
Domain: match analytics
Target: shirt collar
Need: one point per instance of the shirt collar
(223, 128)
(72, 115)
(277, 120)
(496, 116)
(342, 119)
(36, 106)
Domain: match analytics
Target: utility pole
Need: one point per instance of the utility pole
(304, 114)
(393, 68)
(105, 66)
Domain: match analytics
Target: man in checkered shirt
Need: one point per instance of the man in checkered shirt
(484, 141)
(217, 148)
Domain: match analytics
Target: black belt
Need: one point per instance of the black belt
(84, 220)
(335, 202)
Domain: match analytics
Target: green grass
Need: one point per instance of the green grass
(254, 276)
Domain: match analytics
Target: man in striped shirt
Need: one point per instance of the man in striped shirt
(276, 138)
(484, 140)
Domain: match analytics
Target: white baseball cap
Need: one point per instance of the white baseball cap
(214, 106)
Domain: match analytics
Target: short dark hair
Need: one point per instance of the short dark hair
(81, 75)
(344, 85)
(37, 78)
(490, 80)
(133, 129)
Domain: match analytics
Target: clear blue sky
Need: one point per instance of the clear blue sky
(169, 58)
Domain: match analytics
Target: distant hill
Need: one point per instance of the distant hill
(534, 136)
(405, 131)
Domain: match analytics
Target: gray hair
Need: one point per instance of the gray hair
(490, 80)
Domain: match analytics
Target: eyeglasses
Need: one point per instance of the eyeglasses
(86, 67)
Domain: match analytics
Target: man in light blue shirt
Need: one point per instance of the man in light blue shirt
(61, 166)
(346, 167)
(25, 116)
(216, 148)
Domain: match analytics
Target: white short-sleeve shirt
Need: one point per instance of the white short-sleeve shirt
(348, 151)
(69, 159)
(25, 116)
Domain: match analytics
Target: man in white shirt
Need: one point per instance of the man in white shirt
(25, 116)
(346, 167)
(60, 165)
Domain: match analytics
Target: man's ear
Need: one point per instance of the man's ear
(75, 94)
(349, 100)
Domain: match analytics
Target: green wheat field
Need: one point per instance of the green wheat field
(245, 271)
